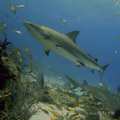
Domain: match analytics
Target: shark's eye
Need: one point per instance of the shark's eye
(47, 35)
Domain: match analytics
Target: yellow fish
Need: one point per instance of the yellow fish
(20, 6)
(117, 13)
(3, 31)
(63, 20)
(18, 54)
(91, 96)
(99, 58)
(28, 53)
(101, 84)
(5, 26)
(117, 4)
(48, 91)
(119, 37)
(116, 53)
(13, 9)
(32, 67)
(19, 32)
(58, 77)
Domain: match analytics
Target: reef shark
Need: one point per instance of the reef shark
(110, 100)
(64, 45)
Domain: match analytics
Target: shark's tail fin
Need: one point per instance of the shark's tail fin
(104, 68)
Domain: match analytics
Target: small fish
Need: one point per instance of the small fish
(77, 103)
(28, 53)
(116, 53)
(18, 54)
(117, 4)
(58, 107)
(20, 6)
(99, 58)
(45, 111)
(19, 32)
(55, 113)
(91, 96)
(116, 13)
(32, 67)
(6, 15)
(51, 107)
(5, 26)
(63, 20)
(71, 109)
(119, 37)
(72, 97)
(72, 116)
(48, 91)
(101, 84)
(13, 9)
(77, 118)
(24, 46)
(58, 77)
(60, 117)
(3, 31)
(67, 114)
(83, 75)
(48, 65)
(54, 101)
(99, 103)
(66, 108)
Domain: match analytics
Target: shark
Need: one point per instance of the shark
(64, 45)
(102, 94)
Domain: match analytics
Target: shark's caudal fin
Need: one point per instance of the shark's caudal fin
(104, 68)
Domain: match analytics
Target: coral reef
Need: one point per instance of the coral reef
(8, 70)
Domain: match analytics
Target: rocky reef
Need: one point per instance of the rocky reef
(17, 94)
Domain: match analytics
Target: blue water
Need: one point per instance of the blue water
(99, 29)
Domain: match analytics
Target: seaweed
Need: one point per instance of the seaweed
(4, 44)
(24, 96)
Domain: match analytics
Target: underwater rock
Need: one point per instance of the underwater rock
(8, 70)
(10, 64)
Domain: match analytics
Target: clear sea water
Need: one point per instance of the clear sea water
(95, 19)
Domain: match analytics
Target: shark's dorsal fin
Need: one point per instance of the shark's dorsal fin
(104, 87)
(73, 35)
(85, 83)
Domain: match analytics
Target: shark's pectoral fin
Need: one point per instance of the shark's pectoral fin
(50, 45)
(78, 64)
(96, 60)
(73, 35)
(58, 46)
(81, 63)
(85, 83)
(46, 50)
(92, 70)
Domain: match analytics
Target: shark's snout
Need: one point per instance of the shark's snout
(25, 24)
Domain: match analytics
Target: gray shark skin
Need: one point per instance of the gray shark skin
(101, 94)
(40, 78)
(63, 44)
(74, 83)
